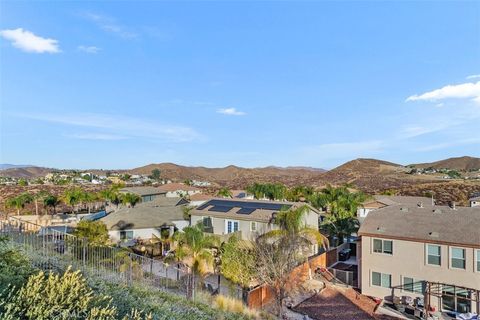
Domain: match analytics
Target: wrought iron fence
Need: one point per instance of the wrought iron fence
(52, 250)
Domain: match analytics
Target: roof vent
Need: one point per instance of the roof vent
(437, 211)
(380, 229)
(433, 234)
(404, 209)
(420, 204)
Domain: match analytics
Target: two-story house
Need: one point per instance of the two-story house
(408, 249)
(146, 193)
(249, 218)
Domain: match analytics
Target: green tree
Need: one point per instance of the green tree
(95, 232)
(14, 264)
(19, 202)
(155, 174)
(22, 182)
(72, 197)
(238, 262)
(225, 193)
(130, 199)
(195, 250)
(56, 296)
(38, 197)
(51, 201)
(89, 198)
(341, 225)
(279, 251)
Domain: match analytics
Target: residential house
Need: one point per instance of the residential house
(147, 219)
(382, 201)
(249, 218)
(146, 193)
(175, 190)
(198, 199)
(404, 248)
(474, 201)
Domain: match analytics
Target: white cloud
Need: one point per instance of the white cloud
(110, 25)
(474, 76)
(126, 127)
(96, 136)
(29, 42)
(88, 49)
(458, 91)
(231, 112)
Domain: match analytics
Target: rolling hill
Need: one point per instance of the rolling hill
(25, 172)
(459, 164)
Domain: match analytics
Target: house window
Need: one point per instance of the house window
(253, 226)
(478, 260)
(126, 235)
(434, 255)
(231, 226)
(207, 222)
(412, 285)
(458, 258)
(381, 279)
(383, 246)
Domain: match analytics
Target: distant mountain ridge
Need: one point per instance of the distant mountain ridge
(371, 175)
(4, 166)
(459, 163)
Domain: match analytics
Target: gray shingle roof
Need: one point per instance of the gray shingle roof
(439, 224)
(143, 191)
(160, 212)
(261, 215)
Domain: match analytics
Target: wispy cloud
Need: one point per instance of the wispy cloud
(458, 91)
(89, 49)
(109, 24)
(473, 76)
(96, 136)
(231, 112)
(127, 127)
(29, 42)
(445, 145)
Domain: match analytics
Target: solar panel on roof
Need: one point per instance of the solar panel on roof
(220, 209)
(246, 210)
(245, 207)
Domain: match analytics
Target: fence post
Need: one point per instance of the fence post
(84, 253)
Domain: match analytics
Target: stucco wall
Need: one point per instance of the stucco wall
(409, 260)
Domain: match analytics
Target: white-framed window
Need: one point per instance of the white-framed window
(413, 285)
(253, 226)
(477, 264)
(231, 226)
(126, 235)
(383, 246)
(457, 258)
(381, 279)
(434, 255)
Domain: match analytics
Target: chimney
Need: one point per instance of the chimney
(453, 205)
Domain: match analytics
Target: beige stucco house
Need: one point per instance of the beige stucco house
(407, 250)
(249, 218)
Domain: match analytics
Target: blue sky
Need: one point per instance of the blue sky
(123, 84)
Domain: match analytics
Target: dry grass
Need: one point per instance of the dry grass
(234, 305)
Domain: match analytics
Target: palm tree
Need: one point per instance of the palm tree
(89, 198)
(291, 224)
(130, 199)
(194, 250)
(111, 195)
(51, 201)
(72, 197)
(19, 201)
(39, 196)
(225, 193)
(341, 225)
